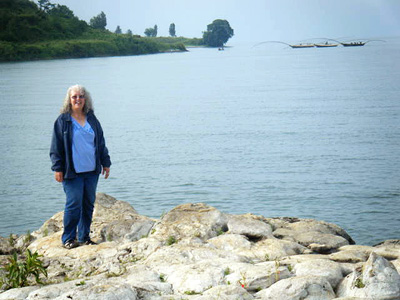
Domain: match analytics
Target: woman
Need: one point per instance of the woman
(79, 154)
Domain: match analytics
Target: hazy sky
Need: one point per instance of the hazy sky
(252, 20)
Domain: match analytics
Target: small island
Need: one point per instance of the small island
(195, 251)
(49, 31)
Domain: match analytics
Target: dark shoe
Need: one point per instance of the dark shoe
(70, 244)
(89, 242)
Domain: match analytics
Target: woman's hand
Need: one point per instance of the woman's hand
(105, 171)
(59, 176)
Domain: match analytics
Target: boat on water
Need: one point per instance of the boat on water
(326, 45)
(354, 44)
(302, 46)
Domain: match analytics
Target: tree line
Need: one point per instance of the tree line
(216, 35)
(46, 30)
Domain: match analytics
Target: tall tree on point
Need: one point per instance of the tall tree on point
(218, 33)
(172, 31)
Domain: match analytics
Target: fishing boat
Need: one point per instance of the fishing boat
(302, 46)
(354, 44)
(326, 45)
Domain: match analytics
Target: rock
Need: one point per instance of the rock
(377, 279)
(6, 245)
(264, 250)
(317, 241)
(296, 288)
(188, 221)
(350, 256)
(253, 227)
(225, 292)
(52, 225)
(319, 236)
(304, 225)
(131, 230)
(230, 242)
(96, 289)
(396, 264)
(273, 249)
(166, 259)
(194, 252)
(195, 278)
(51, 246)
(389, 249)
(139, 250)
(255, 277)
(18, 294)
(325, 268)
(113, 220)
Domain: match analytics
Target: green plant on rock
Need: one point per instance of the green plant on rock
(28, 237)
(277, 272)
(11, 240)
(171, 240)
(191, 293)
(46, 232)
(220, 231)
(358, 283)
(18, 273)
(290, 268)
(243, 282)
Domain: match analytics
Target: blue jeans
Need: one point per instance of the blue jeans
(81, 194)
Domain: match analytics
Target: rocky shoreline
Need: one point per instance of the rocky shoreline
(197, 252)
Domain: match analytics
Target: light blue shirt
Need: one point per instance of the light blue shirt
(83, 148)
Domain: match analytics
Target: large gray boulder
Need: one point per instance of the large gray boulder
(325, 268)
(113, 220)
(251, 226)
(378, 279)
(319, 236)
(299, 288)
(190, 221)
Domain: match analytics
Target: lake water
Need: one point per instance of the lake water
(309, 133)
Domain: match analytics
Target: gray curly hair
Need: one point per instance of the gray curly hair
(66, 108)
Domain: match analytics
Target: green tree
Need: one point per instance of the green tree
(172, 31)
(151, 32)
(99, 21)
(218, 33)
(148, 32)
(155, 30)
(118, 30)
(129, 32)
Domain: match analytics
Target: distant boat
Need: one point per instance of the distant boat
(326, 45)
(302, 46)
(354, 44)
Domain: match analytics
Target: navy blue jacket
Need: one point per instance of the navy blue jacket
(61, 145)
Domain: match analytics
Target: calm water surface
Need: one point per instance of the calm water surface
(310, 133)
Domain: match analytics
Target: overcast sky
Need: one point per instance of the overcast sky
(252, 20)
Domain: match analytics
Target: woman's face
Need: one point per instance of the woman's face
(77, 99)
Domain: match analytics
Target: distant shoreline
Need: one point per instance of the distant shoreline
(66, 49)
